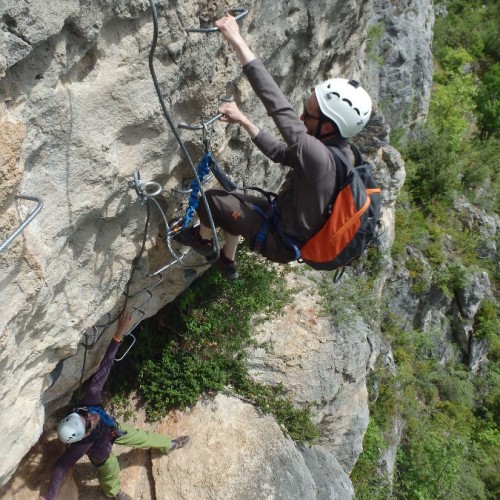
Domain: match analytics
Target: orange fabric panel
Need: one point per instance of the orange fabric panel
(338, 230)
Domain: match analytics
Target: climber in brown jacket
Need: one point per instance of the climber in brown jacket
(336, 109)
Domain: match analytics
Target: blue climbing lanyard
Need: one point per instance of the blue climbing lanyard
(105, 418)
(203, 169)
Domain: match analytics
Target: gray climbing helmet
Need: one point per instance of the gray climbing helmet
(346, 103)
(71, 429)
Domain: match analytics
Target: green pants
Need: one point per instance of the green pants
(109, 472)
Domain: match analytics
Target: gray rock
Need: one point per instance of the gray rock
(399, 61)
(470, 297)
(331, 480)
(320, 363)
(12, 49)
(234, 452)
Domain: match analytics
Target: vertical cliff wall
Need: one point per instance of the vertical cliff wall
(79, 115)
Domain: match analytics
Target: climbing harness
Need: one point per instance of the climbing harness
(28, 220)
(271, 220)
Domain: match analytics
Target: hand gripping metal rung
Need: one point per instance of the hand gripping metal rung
(131, 344)
(30, 217)
(237, 13)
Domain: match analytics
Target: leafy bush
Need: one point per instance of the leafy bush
(488, 102)
(487, 321)
(451, 278)
(369, 483)
(440, 455)
(197, 344)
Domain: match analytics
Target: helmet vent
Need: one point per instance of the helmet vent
(357, 111)
(347, 101)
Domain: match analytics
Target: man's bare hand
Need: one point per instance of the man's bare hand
(231, 113)
(229, 28)
(125, 324)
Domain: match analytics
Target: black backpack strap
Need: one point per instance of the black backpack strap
(269, 195)
(342, 174)
(337, 154)
(358, 158)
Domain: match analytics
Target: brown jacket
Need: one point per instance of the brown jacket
(313, 179)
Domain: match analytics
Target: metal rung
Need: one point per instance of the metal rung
(146, 289)
(200, 126)
(177, 260)
(189, 191)
(130, 346)
(20, 229)
(237, 13)
(129, 333)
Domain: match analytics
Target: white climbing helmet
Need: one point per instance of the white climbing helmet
(346, 103)
(71, 428)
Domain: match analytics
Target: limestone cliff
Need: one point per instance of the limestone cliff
(79, 115)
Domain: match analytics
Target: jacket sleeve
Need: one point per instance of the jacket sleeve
(92, 395)
(65, 462)
(300, 150)
(275, 150)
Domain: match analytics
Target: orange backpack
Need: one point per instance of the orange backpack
(352, 219)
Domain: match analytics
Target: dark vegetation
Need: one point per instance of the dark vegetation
(197, 345)
(450, 444)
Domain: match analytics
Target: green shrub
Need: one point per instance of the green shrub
(197, 344)
(486, 326)
(411, 229)
(368, 482)
(488, 102)
(417, 270)
(451, 278)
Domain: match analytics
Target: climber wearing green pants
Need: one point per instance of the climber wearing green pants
(108, 473)
(89, 430)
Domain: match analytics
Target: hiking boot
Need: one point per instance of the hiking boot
(122, 496)
(227, 267)
(191, 238)
(178, 443)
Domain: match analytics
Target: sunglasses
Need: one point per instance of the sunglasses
(88, 424)
(306, 113)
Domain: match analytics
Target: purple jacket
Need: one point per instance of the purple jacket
(98, 445)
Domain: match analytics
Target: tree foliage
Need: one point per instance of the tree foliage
(450, 447)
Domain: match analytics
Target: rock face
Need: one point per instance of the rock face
(399, 36)
(79, 115)
(320, 364)
(236, 452)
